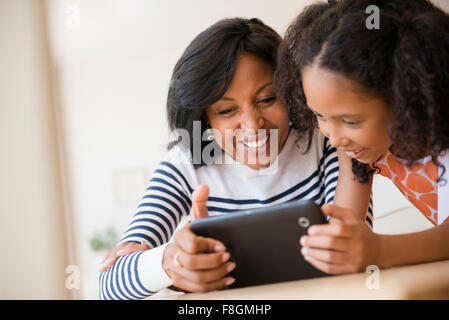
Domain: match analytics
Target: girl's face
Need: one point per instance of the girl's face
(353, 122)
(249, 116)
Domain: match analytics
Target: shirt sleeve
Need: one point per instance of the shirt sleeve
(165, 202)
(330, 157)
(369, 213)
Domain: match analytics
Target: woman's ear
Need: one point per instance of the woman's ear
(205, 120)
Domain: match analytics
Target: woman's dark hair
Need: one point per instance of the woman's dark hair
(405, 62)
(204, 72)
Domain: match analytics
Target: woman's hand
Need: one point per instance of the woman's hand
(121, 250)
(197, 264)
(345, 245)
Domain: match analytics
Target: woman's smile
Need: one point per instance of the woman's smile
(255, 144)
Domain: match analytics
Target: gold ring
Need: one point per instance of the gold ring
(176, 261)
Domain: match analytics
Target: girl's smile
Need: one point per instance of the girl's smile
(356, 154)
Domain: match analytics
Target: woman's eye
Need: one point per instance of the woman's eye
(266, 101)
(226, 111)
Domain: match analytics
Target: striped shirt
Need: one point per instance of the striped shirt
(167, 201)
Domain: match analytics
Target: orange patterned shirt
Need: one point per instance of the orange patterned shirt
(418, 183)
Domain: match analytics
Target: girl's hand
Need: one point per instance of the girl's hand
(121, 250)
(197, 264)
(345, 245)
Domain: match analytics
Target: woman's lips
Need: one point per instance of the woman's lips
(255, 145)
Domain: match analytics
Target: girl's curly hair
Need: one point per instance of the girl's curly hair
(405, 62)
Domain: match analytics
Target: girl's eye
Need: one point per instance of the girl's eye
(351, 123)
(319, 117)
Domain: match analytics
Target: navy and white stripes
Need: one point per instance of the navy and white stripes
(167, 200)
(122, 282)
(161, 209)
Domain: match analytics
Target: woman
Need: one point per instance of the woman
(237, 150)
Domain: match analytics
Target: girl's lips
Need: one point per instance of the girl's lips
(356, 154)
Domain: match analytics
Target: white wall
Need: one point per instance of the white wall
(32, 229)
(114, 59)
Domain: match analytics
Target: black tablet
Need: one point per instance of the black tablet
(264, 242)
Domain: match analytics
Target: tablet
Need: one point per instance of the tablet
(264, 242)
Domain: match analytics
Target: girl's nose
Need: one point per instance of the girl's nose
(335, 138)
(338, 141)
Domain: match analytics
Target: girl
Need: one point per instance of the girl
(223, 82)
(381, 96)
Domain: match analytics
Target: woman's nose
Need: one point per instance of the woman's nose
(251, 120)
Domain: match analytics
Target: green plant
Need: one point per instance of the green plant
(104, 241)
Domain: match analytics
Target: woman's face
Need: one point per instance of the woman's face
(353, 122)
(249, 118)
